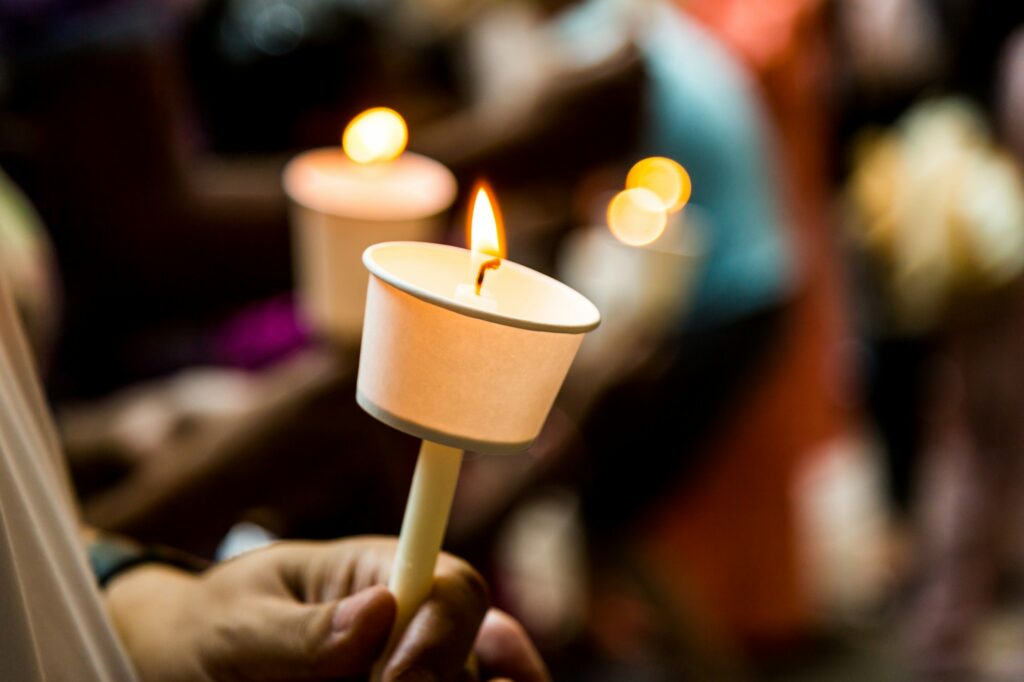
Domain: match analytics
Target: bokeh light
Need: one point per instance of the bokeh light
(637, 216)
(376, 135)
(665, 178)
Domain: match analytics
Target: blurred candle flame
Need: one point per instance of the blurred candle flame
(486, 228)
(637, 216)
(665, 178)
(374, 136)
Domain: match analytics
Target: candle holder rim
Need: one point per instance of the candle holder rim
(436, 299)
(302, 199)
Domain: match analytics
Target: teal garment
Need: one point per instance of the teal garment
(704, 111)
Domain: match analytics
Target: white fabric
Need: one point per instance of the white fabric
(52, 623)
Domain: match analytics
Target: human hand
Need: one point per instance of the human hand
(310, 611)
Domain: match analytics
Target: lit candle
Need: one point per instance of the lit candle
(438, 363)
(487, 245)
(347, 198)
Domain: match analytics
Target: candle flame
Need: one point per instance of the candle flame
(376, 135)
(637, 216)
(665, 178)
(486, 228)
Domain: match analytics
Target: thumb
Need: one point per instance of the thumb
(335, 639)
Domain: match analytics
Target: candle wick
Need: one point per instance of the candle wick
(492, 264)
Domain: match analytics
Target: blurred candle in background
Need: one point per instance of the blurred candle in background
(651, 245)
(664, 178)
(345, 199)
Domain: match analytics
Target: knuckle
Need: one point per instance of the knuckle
(471, 587)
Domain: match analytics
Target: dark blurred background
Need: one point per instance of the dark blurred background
(805, 466)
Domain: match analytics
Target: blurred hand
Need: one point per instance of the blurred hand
(310, 611)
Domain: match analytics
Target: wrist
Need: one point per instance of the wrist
(111, 555)
(156, 613)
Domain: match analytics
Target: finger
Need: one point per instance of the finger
(360, 626)
(505, 651)
(323, 571)
(438, 640)
(334, 639)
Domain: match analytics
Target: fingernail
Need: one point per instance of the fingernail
(350, 608)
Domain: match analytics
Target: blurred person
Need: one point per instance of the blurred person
(889, 53)
(940, 212)
(703, 109)
(151, 137)
(941, 369)
(753, 382)
(291, 611)
(800, 408)
(152, 243)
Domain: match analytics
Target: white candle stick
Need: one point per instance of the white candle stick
(423, 528)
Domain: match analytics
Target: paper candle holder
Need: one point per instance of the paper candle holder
(446, 371)
(338, 209)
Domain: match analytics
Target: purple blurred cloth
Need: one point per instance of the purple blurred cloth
(260, 335)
